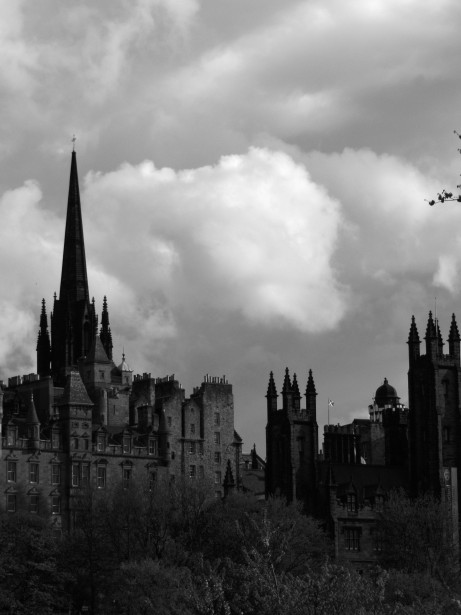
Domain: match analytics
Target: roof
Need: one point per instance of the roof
(75, 391)
(97, 353)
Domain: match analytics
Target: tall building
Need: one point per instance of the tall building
(83, 421)
(416, 448)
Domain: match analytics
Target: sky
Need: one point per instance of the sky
(253, 177)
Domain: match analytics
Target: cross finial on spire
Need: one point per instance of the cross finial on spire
(74, 138)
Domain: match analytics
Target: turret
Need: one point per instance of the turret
(432, 341)
(311, 394)
(43, 345)
(296, 395)
(413, 342)
(105, 333)
(454, 341)
(287, 393)
(33, 425)
(271, 396)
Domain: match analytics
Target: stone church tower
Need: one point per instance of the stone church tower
(292, 441)
(434, 426)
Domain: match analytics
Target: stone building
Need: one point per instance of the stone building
(416, 448)
(83, 421)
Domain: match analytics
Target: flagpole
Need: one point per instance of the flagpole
(328, 412)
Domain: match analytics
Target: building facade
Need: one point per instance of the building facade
(417, 449)
(82, 421)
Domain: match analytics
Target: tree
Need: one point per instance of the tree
(416, 536)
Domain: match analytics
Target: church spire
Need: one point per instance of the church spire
(74, 280)
(105, 333)
(43, 345)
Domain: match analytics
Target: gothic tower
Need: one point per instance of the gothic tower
(292, 442)
(434, 426)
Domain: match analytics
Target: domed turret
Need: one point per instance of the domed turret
(386, 395)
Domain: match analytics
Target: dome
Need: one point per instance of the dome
(386, 395)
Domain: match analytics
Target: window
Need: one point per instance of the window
(101, 444)
(86, 444)
(11, 471)
(217, 437)
(33, 504)
(11, 436)
(75, 443)
(217, 457)
(192, 473)
(55, 474)
(55, 439)
(217, 478)
(192, 428)
(85, 476)
(351, 503)
(192, 448)
(56, 505)
(152, 447)
(101, 478)
(378, 542)
(11, 502)
(201, 472)
(75, 475)
(200, 448)
(33, 473)
(169, 421)
(126, 477)
(217, 418)
(126, 444)
(352, 539)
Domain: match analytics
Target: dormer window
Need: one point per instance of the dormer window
(11, 436)
(101, 443)
(379, 503)
(126, 444)
(351, 502)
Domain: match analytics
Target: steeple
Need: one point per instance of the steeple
(74, 279)
(105, 332)
(413, 342)
(43, 345)
(454, 340)
(74, 321)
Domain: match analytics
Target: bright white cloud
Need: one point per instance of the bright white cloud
(252, 234)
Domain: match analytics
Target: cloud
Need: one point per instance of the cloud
(30, 249)
(252, 235)
(447, 273)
